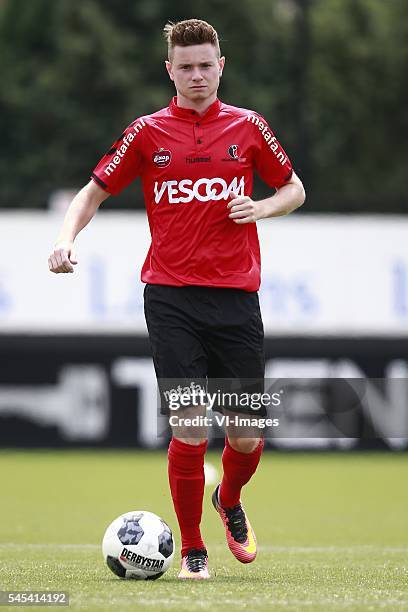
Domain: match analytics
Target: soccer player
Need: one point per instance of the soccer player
(196, 159)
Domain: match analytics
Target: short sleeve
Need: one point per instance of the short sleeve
(122, 164)
(271, 162)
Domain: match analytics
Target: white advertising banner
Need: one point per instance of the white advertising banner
(321, 275)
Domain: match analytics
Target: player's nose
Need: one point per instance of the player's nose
(197, 76)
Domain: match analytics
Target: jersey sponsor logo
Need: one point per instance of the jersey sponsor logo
(233, 151)
(121, 149)
(203, 190)
(162, 158)
(269, 138)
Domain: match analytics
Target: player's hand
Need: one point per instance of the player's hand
(244, 210)
(62, 259)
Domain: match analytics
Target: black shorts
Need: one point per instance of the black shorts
(205, 333)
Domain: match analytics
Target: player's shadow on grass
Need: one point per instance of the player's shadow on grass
(219, 578)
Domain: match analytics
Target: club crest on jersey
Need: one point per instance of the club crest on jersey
(233, 151)
(162, 158)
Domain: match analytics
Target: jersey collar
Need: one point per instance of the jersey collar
(192, 115)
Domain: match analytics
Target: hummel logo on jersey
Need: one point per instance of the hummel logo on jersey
(198, 160)
(269, 138)
(203, 190)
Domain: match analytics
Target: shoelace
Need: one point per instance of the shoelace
(236, 523)
(196, 559)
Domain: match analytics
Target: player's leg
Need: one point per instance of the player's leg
(178, 355)
(240, 459)
(237, 353)
(186, 477)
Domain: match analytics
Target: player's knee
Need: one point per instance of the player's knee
(191, 441)
(244, 445)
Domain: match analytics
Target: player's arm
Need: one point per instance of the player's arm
(287, 198)
(120, 165)
(81, 210)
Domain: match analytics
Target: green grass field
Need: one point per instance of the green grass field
(332, 529)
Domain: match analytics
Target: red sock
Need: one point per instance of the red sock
(238, 469)
(186, 478)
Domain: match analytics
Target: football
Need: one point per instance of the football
(138, 545)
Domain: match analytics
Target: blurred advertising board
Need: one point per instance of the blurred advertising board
(100, 391)
(322, 275)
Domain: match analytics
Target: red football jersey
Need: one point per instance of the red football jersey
(191, 167)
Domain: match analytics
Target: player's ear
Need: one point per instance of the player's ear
(169, 69)
(221, 63)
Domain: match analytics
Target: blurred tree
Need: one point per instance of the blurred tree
(329, 75)
(357, 84)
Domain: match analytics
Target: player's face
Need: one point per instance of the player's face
(196, 72)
